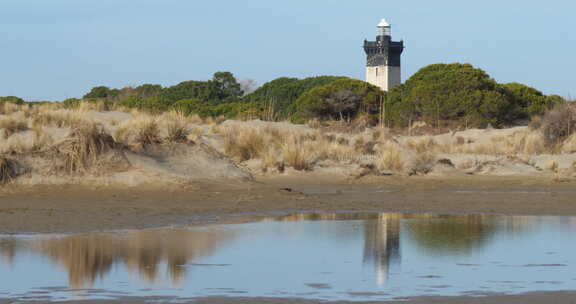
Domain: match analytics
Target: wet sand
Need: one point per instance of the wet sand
(75, 209)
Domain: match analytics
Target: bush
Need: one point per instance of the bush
(222, 87)
(188, 90)
(71, 103)
(282, 93)
(343, 99)
(209, 109)
(450, 92)
(101, 92)
(152, 104)
(558, 124)
(529, 101)
(12, 99)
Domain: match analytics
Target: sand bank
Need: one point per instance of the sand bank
(77, 209)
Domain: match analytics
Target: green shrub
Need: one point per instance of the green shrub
(529, 101)
(222, 87)
(188, 90)
(71, 103)
(341, 100)
(101, 92)
(152, 104)
(188, 106)
(282, 93)
(450, 92)
(12, 99)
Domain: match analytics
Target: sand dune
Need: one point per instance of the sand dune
(48, 145)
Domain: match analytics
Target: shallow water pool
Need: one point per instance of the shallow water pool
(315, 256)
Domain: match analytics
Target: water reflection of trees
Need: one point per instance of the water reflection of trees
(462, 234)
(455, 234)
(8, 249)
(92, 256)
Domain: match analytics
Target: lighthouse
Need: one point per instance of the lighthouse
(383, 58)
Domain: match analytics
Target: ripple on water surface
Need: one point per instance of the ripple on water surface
(315, 256)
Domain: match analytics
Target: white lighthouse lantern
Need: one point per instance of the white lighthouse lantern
(384, 28)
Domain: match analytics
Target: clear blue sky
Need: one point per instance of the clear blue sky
(54, 49)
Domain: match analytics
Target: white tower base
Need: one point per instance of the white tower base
(384, 77)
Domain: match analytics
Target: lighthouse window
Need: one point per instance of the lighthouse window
(376, 72)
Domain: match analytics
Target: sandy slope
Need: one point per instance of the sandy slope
(238, 150)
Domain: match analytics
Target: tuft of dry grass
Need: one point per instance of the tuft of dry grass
(215, 120)
(41, 139)
(297, 155)
(25, 142)
(57, 118)
(314, 123)
(390, 158)
(177, 132)
(270, 160)
(336, 151)
(139, 132)
(534, 143)
(244, 143)
(50, 106)
(81, 150)
(423, 163)
(421, 145)
(99, 106)
(176, 126)
(7, 170)
(195, 119)
(524, 141)
(11, 125)
(15, 144)
(196, 133)
(569, 145)
(8, 108)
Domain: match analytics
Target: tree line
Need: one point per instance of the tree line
(437, 94)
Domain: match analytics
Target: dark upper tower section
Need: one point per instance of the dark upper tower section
(383, 51)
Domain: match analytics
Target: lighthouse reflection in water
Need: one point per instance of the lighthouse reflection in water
(382, 245)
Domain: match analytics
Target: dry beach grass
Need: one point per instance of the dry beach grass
(79, 141)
